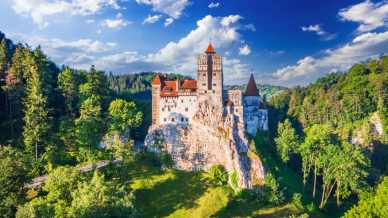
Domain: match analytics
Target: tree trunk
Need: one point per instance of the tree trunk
(323, 197)
(338, 193)
(315, 181)
(36, 151)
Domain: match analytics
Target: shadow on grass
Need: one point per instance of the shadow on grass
(180, 191)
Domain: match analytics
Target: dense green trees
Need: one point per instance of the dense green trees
(70, 194)
(341, 166)
(68, 82)
(89, 126)
(13, 175)
(124, 116)
(374, 204)
(287, 140)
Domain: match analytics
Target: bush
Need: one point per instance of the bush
(272, 193)
(297, 201)
(217, 175)
(166, 160)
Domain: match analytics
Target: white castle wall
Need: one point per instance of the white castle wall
(180, 109)
(254, 117)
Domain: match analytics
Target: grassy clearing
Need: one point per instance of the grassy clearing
(173, 193)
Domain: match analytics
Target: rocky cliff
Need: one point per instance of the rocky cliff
(211, 138)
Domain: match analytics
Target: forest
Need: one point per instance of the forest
(324, 154)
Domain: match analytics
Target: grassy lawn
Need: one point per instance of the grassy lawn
(173, 193)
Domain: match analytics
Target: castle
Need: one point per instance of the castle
(177, 101)
(201, 125)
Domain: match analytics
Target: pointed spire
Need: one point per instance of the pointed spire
(156, 80)
(210, 49)
(251, 87)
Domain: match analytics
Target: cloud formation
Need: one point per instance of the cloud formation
(317, 29)
(172, 8)
(369, 15)
(168, 22)
(116, 23)
(214, 5)
(176, 56)
(39, 10)
(152, 19)
(308, 69)
(244, 50)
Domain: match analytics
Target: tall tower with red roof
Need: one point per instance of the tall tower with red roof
(156, 87)
(210, 77)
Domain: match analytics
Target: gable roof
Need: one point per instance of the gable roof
(251, 88)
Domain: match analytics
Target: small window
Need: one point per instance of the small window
(169, 109)
(186, 109)
(204, 84)
(182, 101)
(214, 91)
(236, 110)
(204, 74)
(165, 119)
(182, 119)
(214, 84)
(162, 109)
(205, 91)
(214, 74)
(187, 119)
(172, 120)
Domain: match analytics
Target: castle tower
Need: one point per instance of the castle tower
(210, 77)
(156, 87)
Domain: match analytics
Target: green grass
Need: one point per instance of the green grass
(174, 193)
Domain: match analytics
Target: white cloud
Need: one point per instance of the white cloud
(172, 8)
(180, 56)
(39, 10)
(368, 14)
(152, 19)
(168, 21)
(245, 50)
(250, 27)
(319, 31)
(89, 21)
(115, 23)
(176, 56)
(214, 5)
(310, 68)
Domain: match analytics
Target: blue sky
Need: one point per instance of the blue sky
(282, 42)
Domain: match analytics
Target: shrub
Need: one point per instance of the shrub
(217, 175)
(272, 193)
(297, 201)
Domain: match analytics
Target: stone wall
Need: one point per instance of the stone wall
(180, 109)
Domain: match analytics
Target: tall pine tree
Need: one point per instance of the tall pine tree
(35, 111)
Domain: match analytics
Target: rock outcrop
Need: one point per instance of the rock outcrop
(213, 137)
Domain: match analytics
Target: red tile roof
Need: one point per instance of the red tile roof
(210, 48)
(251, 88)
(189, 84)
(169, 88)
